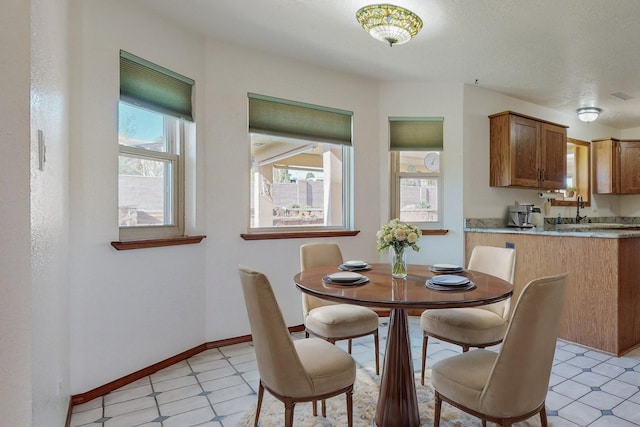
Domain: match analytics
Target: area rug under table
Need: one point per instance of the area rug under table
(365, 395)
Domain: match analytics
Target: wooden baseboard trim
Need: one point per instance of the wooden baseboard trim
(77, 399)
(127, 379)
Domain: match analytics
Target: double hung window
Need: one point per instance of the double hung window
(415, 146)
(300, 166)
(154, 119)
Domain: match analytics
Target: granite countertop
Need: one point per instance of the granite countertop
(601, 233)
(625, 228)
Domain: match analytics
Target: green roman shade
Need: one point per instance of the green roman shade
(280, 117)
(151, 86)
(416, 133)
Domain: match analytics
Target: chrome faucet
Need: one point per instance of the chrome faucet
(579, 204)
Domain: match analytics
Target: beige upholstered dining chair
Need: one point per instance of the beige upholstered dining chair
(304, 370)
(473, 326)
(329, 320)
(511, 385)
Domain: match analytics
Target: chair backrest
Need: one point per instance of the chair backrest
(519, 379)
(317, 255)
(279, 365)
(499, 262)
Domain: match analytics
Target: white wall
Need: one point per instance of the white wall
(414, 99)
(15, 280)
(49, 213)
(482, 201)
(231, 73)
(129, 309)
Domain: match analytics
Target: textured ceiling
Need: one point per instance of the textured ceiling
(562, 54)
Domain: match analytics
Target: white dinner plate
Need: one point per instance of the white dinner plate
(450, 280)
(446, 267)
(356, 264)
(345, 277)
(467, 286)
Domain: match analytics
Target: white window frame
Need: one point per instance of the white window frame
(347, 200)
(174, 190)
(396, 177)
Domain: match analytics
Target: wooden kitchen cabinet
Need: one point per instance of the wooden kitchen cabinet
(616, 166)
(527, 152)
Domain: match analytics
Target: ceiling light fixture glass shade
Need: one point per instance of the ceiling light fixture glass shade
(588, 114)
(389, 23)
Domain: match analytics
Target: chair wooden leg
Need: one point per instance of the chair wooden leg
(438, 408)
(350, 346)
(465, 348)
(324, 408)
(289, 406)
(484, 423)
(350, 408)
(507, 422)
(315, 408)
(424, 357)
(543, 417)
(259, 404)
(376, 345)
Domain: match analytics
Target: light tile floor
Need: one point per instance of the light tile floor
(216, 387)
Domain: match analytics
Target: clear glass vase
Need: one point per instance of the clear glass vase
(398, 263)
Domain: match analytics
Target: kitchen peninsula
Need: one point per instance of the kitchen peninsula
(602, 305)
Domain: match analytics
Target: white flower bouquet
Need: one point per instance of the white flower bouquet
(398, 236)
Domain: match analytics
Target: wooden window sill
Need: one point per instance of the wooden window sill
(298, 235)
(156, 243)
(318, 234)
(434, 232)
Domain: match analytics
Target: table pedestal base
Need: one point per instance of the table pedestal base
(397, 402)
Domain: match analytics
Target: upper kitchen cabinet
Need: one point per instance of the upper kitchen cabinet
(616, 166)
(527, 152)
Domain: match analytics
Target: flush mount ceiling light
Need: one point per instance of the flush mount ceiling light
(389, 23)
(588, 114)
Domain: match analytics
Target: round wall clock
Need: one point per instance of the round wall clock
(432, 162)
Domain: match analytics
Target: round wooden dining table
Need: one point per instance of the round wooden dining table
(397, 401)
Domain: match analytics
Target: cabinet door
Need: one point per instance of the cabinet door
(553, 157)
(525, 155)
(630, 167)
(605, 175)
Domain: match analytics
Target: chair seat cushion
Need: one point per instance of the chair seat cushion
(463, 377)
(329, 367)
(472, 326)
(341, 321)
